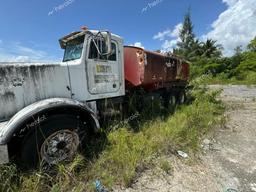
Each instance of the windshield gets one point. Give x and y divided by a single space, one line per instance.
74 49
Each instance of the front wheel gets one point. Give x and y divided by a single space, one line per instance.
56 140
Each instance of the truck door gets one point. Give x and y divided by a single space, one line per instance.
103 72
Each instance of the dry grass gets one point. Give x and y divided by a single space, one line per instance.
127 151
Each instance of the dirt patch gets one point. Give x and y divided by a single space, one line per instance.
228 160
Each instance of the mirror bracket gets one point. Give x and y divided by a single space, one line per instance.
107 40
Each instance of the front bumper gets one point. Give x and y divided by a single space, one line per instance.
4 156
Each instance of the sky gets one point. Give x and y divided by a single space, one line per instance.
30 30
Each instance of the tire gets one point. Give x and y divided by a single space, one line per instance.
170 101
181 97
56 140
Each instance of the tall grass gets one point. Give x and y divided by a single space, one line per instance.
129 152
246 78
8 178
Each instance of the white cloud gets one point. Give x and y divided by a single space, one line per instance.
29 52
170 37
230 2
16 52
168 45
138 44
161 35
168 33
176 30
21 59
235 26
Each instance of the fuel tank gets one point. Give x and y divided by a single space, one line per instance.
152 70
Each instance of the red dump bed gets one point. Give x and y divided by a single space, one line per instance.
153 70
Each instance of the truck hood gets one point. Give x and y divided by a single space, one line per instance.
24 83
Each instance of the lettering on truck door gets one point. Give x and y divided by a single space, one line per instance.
103 71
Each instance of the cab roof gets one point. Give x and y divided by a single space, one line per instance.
63 41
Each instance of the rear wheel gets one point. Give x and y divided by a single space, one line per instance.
56 140
172 101
181 97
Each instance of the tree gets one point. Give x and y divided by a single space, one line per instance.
211 49
207 49
197 47
252 45
184 46
238 50
196 50
248 63
236 59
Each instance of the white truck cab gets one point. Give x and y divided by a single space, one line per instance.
58 99
89 56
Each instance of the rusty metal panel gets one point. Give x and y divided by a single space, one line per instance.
171 64
153 70
134 63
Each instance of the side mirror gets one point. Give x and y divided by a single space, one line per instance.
102 42
108 44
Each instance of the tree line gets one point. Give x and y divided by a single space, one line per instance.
206 57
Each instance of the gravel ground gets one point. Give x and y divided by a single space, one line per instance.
229 159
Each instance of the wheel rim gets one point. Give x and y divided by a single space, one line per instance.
172 101
60 147
182 98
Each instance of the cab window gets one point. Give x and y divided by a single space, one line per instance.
93 53
74 49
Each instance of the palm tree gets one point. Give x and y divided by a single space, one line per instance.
211 49
196 49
